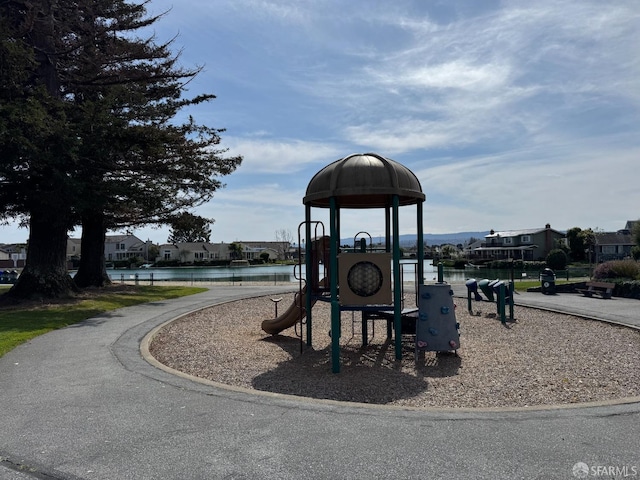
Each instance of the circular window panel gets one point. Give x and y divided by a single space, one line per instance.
365 279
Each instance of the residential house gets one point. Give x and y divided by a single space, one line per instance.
469 251
121 247
614 245
276 250
12 256
527 244
73 248
194 252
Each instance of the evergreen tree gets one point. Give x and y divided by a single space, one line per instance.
39 146
576 244
186 227
235 249
109 99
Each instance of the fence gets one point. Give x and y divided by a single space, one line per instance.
206 278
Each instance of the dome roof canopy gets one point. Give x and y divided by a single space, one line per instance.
365 180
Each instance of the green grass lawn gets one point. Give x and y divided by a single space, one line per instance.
22 323
522 285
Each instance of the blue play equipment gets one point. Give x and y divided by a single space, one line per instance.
472 288
436 328
494 290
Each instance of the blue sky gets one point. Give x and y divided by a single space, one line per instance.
512 114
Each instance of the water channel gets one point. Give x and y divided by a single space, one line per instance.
280 274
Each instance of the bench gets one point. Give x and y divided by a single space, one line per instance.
603 289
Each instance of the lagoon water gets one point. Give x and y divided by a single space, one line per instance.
279 274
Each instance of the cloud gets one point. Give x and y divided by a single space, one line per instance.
513 114
280 156
529 188
271 195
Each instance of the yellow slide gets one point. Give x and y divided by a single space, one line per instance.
294 313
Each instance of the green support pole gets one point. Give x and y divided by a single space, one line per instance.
420 247
440 272
335 306
501 303
308 266
397 288
512 289
387 229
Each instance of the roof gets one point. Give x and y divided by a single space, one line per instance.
474 245
193 246
517 233
120 238
614 238
365 180
502 247
12 247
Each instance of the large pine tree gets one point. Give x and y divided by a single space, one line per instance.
37 143
150 166
123 159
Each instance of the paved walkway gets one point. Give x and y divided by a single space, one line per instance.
624 311
81 403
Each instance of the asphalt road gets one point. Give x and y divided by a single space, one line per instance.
82 403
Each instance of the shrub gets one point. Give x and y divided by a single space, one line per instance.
629 269
167 263
627 289
557 259
459 264
517 265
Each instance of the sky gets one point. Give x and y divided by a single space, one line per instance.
512 114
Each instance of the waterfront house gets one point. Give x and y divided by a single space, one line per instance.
614 245
526 244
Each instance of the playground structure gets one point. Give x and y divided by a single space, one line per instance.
496 290
364 278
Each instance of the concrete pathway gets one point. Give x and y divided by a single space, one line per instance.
624 311
81 403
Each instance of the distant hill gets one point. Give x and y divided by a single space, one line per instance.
430 238
453 238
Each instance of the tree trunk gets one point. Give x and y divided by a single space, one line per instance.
45 272
92 271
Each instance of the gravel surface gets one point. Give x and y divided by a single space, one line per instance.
540 359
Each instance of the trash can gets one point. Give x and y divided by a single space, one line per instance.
548 281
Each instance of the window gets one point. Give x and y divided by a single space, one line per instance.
167 255
508 240
525 239
609 249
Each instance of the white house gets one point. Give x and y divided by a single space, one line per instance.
121 247
194 252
